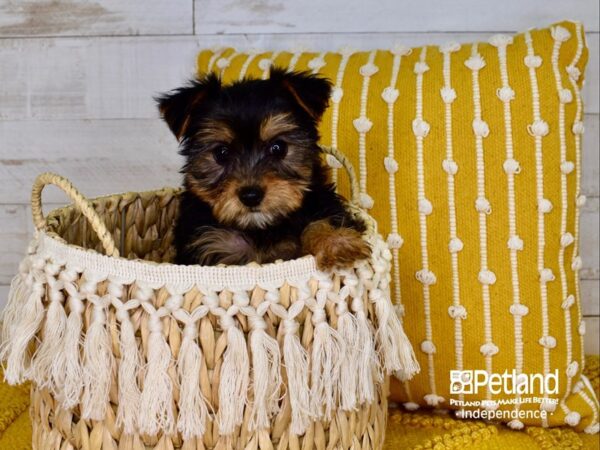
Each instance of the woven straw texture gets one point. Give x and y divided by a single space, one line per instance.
139 354
469 158
408 431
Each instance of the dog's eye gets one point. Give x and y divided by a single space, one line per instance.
278 149
221 154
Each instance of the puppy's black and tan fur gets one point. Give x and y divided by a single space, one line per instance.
256 188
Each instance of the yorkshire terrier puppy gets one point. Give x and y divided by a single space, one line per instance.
256 186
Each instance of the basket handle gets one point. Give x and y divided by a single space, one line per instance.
82 203
345 162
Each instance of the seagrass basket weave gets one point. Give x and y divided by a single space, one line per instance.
133 352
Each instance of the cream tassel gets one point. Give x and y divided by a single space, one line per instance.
233 391
43 370
130 364
398 354
327 352
193 409
348 331
266 374
59 367
18 357
20 290
17 297
129 392
69 356
98 362
408 361
156 404
369 369
295 358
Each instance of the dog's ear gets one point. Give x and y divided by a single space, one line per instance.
310 91
176 106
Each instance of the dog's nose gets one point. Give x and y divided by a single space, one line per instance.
251 195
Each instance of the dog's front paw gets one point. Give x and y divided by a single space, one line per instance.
334 247
214 246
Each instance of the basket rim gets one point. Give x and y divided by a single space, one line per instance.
178 276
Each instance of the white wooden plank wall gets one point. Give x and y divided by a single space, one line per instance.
77 80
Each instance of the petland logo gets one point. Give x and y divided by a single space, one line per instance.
510 383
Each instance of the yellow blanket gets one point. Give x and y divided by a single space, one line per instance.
405 430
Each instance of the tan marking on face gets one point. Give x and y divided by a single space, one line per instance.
296 160
215 130
282 196
276 124
204 162
226 205
201 191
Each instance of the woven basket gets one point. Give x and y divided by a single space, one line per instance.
133 352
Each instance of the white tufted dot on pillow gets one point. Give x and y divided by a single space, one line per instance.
519 309
428 347
533 61
420 127
487 277
515 243
390 95
489 349
448 94
425 206
336 94
506 94
390 164
362 124
475 62
394 240
538 128
545 205
455 245
450 167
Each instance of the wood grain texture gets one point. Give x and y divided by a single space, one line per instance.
15 232
356 16
91 78
590 242
103 156
100 156
101 78
3 294
590 291
100 17
591 92
592 344
590 184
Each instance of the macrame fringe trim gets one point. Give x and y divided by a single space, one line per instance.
193 409
129 367
98 362
342 369
156 402
235 379
266 375
295 358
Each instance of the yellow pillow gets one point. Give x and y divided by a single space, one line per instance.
470 158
